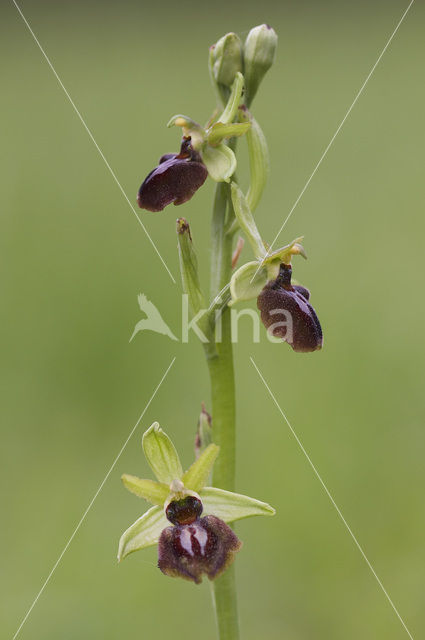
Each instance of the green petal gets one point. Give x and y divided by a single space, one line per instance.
231 506
220 162
197 475
247 222
161 454
247 282
232 105
154 492
143 533
220 131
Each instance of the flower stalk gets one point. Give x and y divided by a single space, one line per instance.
222 379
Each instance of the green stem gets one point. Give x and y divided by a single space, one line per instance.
220 364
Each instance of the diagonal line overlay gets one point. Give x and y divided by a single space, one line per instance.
111 171
55 566
319 477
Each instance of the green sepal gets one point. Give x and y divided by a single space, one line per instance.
220 162
220 131
246 221
258 159
143 533
234 100
196 477
231 506
247 282
161 454
153 492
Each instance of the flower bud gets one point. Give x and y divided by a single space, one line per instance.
259 55
175 179
225 61
207 545
287 314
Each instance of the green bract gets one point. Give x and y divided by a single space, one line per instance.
174 484
258 158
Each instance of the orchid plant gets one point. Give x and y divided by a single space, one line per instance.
189 519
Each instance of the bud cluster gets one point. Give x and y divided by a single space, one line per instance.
253 59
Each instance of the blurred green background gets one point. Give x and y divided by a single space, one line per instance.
74 259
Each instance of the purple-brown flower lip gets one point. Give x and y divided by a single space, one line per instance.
287 313
175 179
206 546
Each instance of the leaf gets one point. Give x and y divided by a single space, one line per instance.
220 131
247 282
154 492
233 102
220 162
143 533
197 475
247 222
231 506
161 454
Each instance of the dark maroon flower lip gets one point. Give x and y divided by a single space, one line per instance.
205 546
287 313
175 180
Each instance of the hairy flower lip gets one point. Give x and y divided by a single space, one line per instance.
279 298
175 180
206 546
